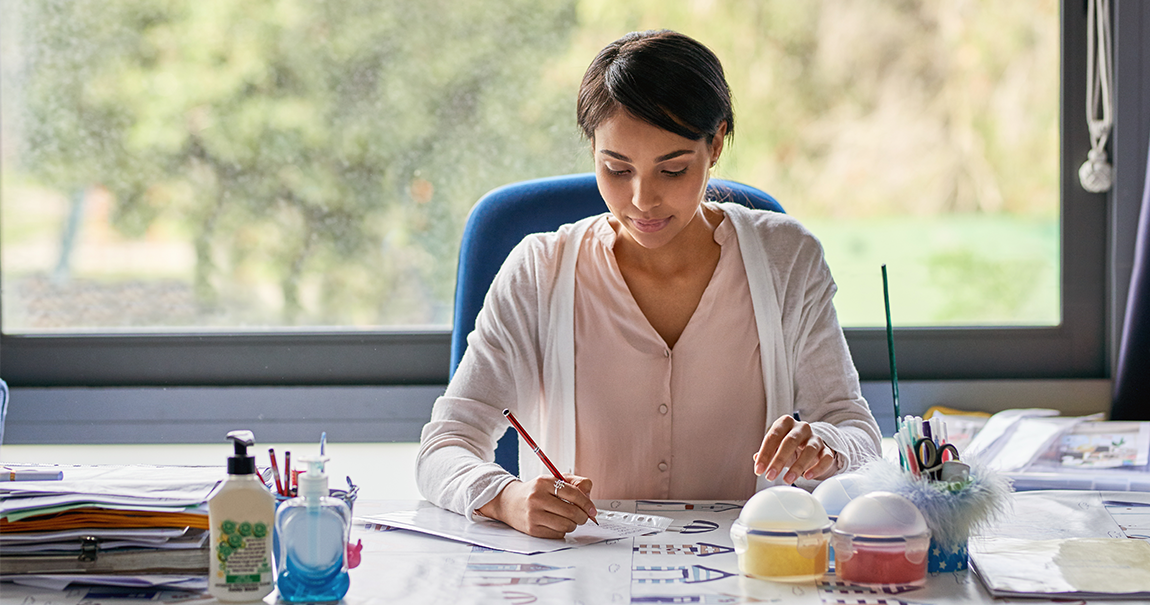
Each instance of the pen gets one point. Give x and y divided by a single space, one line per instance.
322 442
795 415
276 471
538 451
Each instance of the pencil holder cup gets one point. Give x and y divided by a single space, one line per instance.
782 535
944 559
953 510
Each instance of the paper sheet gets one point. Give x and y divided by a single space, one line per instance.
1076 567
997 431
430 519
190 542
143 535
1078 514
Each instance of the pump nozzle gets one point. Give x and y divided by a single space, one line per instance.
241 463
313 481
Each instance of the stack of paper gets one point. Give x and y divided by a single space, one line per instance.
125 525
1037 449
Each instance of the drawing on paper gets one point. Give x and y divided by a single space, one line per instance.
518 598
846 588
697 526
699 599
519 567
653 506
514 580
660 574
701 549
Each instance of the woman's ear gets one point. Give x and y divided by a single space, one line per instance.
717 142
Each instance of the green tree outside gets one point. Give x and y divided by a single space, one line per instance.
320 158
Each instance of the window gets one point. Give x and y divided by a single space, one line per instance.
272 192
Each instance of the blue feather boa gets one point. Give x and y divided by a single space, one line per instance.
953 511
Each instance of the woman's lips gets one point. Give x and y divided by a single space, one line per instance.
650 225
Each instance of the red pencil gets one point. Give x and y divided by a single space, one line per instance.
276 471
535 448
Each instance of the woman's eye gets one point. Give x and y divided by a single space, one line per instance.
675 172
619 172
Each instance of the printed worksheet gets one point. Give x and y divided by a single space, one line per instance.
430 519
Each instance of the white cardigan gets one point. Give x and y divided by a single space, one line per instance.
521 355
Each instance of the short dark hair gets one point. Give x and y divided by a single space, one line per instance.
661 77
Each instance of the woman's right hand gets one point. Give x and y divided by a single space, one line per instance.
538 509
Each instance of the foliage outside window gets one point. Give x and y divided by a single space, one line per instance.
274 164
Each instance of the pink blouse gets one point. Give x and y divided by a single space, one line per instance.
659 423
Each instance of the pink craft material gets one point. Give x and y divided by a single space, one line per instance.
880 565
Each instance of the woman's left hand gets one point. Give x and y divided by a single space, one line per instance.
792 445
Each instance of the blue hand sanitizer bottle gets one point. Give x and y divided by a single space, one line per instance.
313 531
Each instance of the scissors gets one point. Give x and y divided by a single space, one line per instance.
929 455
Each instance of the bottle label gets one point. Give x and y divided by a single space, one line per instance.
244 556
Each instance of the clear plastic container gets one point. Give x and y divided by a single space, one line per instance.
881 538
782 535
836 492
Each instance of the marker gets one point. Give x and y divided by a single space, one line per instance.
30 474
538 450
287 474
276 472
795 415
322 442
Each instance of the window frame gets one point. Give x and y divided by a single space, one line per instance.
1077 348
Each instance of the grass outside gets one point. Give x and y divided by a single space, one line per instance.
946 270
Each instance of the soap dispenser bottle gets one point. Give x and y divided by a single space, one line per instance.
241 513
312 530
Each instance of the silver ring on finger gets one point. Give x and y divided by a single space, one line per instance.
558 484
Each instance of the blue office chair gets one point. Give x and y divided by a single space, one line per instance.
503 217
3 407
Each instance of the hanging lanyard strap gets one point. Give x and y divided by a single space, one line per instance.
1096 174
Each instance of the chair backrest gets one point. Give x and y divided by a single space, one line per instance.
3 407
503 217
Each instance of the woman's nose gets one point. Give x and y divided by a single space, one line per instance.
644 196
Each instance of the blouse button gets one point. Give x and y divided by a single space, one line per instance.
663 408
666 352
663 466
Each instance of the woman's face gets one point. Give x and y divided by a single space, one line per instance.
652 180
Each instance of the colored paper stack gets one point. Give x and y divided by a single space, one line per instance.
113 525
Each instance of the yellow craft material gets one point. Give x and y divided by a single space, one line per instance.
782 559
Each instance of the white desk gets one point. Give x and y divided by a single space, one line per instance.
690 564
403 567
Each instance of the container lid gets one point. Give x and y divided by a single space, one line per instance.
784 508
881 516
836 492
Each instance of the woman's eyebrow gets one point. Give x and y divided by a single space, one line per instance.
662 158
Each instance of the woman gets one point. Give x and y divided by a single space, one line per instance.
662 349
